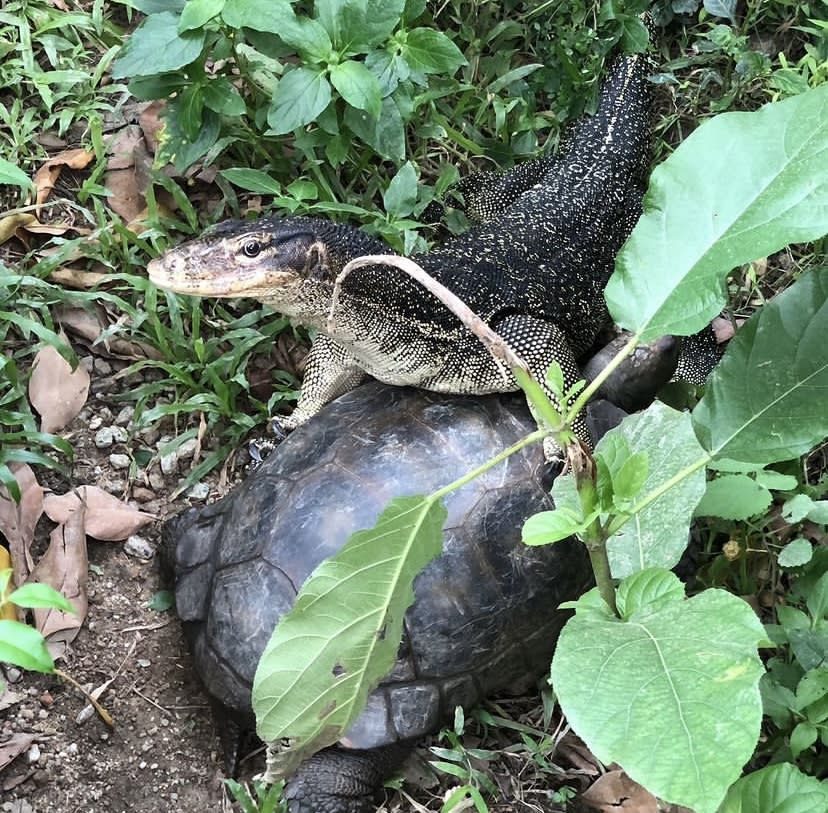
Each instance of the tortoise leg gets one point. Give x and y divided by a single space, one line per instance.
340 780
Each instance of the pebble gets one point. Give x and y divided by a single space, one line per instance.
119 461
169 463
140 494
95 423
33 754
156 480
187 449
103 367
13 674
125 416
200 491
107 435
138 547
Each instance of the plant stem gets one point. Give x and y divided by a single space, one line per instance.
601 568
102 712
533 437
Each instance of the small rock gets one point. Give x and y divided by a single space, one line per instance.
103 367
124 417
143 663
168 463
95 423
140 494
200 491
156 480
138 547
72 749
13 674
107 435
46 699
33 754
119 461
187 449
150 435
88 363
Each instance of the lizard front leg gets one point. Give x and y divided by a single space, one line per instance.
539 343
330 371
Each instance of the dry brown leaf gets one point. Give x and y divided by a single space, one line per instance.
615 792
11 223
13 747
49 171
128 172
18 520
9 698
75 278
107 518
57 391
90 325
64 566
151 123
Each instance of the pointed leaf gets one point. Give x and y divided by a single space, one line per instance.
670 275
156 47
781 788
654 692
24 646
341 637
358 86
733 496
766 399
301 95
657 535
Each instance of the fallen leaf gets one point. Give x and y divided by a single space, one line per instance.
128 172
57 391
13 747
75 278
18 520
9 698
11 223
48 173
615 792
106 518
64 566
150 122
90 325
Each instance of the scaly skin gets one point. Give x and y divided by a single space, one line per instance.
535 272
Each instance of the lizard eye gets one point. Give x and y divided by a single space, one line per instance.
252 248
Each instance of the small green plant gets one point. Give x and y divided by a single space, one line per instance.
21 644
261 799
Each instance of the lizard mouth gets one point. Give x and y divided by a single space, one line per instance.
173 274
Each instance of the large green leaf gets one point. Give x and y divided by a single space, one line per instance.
301 95
358 86
766 401
779 788
24 646
740 187
156 46
671 693
657 535
316 672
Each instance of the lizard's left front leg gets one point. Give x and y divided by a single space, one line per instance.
330 371
539 343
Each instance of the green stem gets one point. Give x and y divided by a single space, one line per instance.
601 569
534 437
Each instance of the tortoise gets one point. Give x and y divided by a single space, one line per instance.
485 614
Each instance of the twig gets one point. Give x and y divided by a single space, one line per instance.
502 353
152 702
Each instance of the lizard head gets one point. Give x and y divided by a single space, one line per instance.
271 260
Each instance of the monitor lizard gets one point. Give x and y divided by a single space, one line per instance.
534 270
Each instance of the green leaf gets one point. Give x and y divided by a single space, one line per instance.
795 553
220 95
803 737
648 591
812 687
400 198
546 527
652 693
342 636
301 95
431 51
796 508
670 274
156 47
41 595
358 26
253 180
10 174
658 534
386 135
780 788
635 38
817 598
776 481
721 8
24 647
513 75
198 13
162 601
733 496
358 86
764 401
